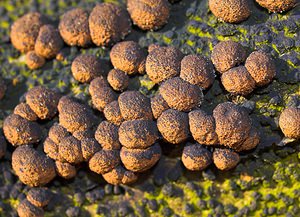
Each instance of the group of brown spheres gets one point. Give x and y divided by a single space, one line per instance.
125 144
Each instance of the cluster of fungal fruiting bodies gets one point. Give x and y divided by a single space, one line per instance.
33 204
258 70
105 25
236 11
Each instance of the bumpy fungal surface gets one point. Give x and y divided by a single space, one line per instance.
89 146
86 67
173 126
227 54
75 116
24 111
251 142
25 30
134 105
108 23
51 149
32 167
289 122
57 133
120 175
149 14
158 105
225 159
2 88
39 197
233 124
203 127
74 27
112 113
195 157
128 57
238 81
26 209
104 161
43 102
69 149
107 135
19 131
261 67
138 134
34 61
102 94
277 6
140 160
3 146
118 80
231 11
180 94
65 170
48 42
163 63
197 70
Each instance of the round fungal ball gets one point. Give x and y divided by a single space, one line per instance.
140 160
57 133
34 61
75 116
107 135
163 63
48 42
158 105
180 94
197 70
51 149
74 28
43 102
173 126
261 67
227 54
195 157
104 161
230 11
112 113
251 142
24 111
102 94
289 122
233 124
138 134
32 167
277 6
225 159
26 209
109 23
19 131
128 57
238 81
3 146
39 197
70 149
96 84
89 146
149 14
202 127
65 170
118 79
2 88
134 105
25 30
86 67
120 175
